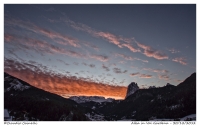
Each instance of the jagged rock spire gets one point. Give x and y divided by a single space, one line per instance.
132 88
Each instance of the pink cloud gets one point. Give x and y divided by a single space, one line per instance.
116 40
55 36
145 76
40 46
180 60
108 36
150 52
131 48
8 37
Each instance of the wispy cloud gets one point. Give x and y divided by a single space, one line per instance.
150 52
146 61
134 74
99 57
91 46
172 50
63 62
41 46
118 70
131 48
156 70
75 63
105 68
130 58
145 76
110 37
140 75
84 63
180 60
8 37
92 65
55 36
164 77
124 56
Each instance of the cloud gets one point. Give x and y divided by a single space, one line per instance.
156 70
180 60
63 62
40 46
75 63
146 61
134 74
55 36
141 75
118 70
37 75
130 58
92 65
84 64
8 37
173 50
124 56
150 52
178 80
105 68
117 40
110 37
99 57
92 46
145 76
164 77
131 48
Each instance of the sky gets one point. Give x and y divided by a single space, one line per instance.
98 50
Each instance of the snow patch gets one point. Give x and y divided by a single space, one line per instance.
83 99
95 117
16 85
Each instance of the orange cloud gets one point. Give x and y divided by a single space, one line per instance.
37 76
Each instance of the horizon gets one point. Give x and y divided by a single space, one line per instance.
93 50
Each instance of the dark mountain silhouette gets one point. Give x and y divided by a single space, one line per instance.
26 102
164 102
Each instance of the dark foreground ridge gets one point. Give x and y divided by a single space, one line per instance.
25 102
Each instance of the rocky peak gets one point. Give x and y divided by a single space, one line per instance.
168 84
132 88
152 87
